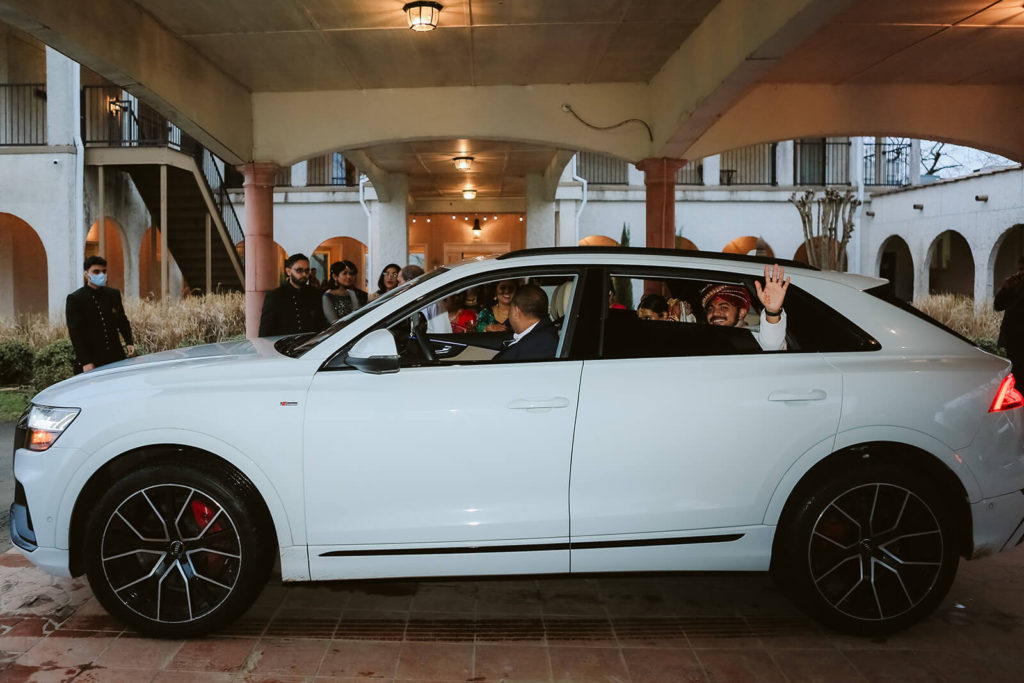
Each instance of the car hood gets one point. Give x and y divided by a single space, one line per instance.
202 358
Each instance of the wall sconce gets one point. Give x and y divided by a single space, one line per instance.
422 14
469 193
463 163
919 207
981 197
476 227
115 107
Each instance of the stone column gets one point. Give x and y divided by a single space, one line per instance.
389 228
660 179
260 264
915 162
62 104
784 163
922 272
540 214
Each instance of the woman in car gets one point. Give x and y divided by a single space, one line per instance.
494 318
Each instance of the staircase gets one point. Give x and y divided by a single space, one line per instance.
187 208
124 134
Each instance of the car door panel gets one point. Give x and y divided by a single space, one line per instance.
436 457
678 444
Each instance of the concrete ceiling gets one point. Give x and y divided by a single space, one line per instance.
282 80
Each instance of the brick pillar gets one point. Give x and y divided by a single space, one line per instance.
660 180
260 254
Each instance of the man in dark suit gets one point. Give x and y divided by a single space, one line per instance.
1010 298
95 317
294 307
536 337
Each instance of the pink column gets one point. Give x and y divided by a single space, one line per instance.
660 181
260 257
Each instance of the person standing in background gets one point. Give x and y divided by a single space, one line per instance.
95 317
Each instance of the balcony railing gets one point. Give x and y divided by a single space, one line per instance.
753 165
112 118
821 162
690 174
601 169
327 169
22 114
887 164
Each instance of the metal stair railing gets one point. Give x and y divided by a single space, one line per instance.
111 118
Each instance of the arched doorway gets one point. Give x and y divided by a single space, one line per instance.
113 250
598 241
24 286
685 244
951 265
279 257
896 265
801 254
439 238
340 249
748 244
1009 251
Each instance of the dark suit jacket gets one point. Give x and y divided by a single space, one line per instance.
1010 298
95 318
287 310
539 344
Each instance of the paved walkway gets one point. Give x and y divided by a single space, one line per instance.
662 628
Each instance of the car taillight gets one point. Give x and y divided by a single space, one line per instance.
1007 397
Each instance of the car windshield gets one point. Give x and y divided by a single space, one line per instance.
298 344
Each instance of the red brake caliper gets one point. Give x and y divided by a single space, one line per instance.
203 514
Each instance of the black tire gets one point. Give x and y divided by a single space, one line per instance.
176 551
868 551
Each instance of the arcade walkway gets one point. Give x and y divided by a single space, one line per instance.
662 629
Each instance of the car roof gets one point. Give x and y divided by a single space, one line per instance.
860 282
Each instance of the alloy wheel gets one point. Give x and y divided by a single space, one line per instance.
875 552
171 553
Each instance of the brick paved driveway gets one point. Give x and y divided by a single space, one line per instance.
662 628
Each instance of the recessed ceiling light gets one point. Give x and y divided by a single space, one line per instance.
469 193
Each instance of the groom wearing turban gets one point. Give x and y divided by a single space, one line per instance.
727 305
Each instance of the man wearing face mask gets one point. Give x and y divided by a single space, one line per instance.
294 307
95 317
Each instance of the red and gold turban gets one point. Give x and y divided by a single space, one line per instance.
736 295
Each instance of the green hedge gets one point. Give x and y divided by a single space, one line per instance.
17 361
53 364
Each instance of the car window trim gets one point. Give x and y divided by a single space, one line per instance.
578 271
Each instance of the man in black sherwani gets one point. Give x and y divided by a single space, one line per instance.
95 317
294 307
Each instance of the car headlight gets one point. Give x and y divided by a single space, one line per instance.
44 424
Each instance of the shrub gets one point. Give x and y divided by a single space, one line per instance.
958 312
53 364
16 361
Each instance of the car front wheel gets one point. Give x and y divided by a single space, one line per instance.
868 552
176 551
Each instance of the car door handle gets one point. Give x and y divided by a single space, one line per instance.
538 404
790 395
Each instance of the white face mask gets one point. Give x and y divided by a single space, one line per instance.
98 279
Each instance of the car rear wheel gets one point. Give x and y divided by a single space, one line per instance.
175 551
868 552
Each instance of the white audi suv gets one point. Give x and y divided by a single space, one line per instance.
857 463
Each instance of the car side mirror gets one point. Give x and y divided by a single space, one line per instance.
375 353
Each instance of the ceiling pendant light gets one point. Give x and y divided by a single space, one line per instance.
422 14
463 163
469 193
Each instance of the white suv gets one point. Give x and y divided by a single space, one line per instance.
857 464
